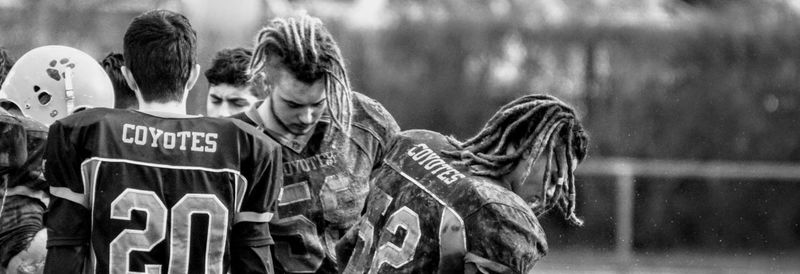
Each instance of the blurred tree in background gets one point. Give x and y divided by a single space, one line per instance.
664 79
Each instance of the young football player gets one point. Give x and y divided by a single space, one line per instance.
15 230
156 190
229 89
40 84
24 194
444 206
332 138
123 95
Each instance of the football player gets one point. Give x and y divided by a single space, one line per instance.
229 88
12 155
157 190
123 95
332 138
24 196
43 81
441 205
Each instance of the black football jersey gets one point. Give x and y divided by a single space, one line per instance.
425 216
25 178
325 185
156 194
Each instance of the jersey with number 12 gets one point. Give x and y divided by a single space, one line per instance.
425 216
159 195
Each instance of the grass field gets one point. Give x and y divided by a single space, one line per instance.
580 261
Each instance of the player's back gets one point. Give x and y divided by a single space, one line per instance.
163 192
426 215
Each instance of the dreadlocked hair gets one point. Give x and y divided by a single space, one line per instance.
531 124
305 48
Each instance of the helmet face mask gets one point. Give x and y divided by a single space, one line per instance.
48 83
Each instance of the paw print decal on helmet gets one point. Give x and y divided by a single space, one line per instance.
56 74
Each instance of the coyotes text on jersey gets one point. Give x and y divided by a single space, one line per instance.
326 182
425 215
159 194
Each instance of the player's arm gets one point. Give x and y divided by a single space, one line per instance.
68 217
250 258
513 243
65 259
345 245
251 240
384 130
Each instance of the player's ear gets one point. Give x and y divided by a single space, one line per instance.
193 76
126 73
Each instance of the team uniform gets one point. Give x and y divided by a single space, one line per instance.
425 215
160 194
24 196
326 182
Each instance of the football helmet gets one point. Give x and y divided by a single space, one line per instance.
50 82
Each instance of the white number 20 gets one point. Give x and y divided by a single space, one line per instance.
155 230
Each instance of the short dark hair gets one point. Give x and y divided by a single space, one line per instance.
160 51
229 66
6 62
124 97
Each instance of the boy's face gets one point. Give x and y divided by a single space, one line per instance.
297 105
225 100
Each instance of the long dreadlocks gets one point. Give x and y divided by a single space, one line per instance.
530 124
305 48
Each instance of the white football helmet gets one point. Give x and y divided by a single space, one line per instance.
50 82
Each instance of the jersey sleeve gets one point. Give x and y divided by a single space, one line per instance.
68 216
504 239
387 135
262 170
373 118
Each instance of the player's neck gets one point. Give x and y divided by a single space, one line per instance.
174 107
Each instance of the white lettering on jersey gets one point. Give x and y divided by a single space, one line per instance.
429 160
308 164
155 137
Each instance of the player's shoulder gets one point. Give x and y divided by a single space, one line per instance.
434 140
90 117
242 117
405 144
483 193
249 129
31 125
371 116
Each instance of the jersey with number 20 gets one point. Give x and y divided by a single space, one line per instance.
159 194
